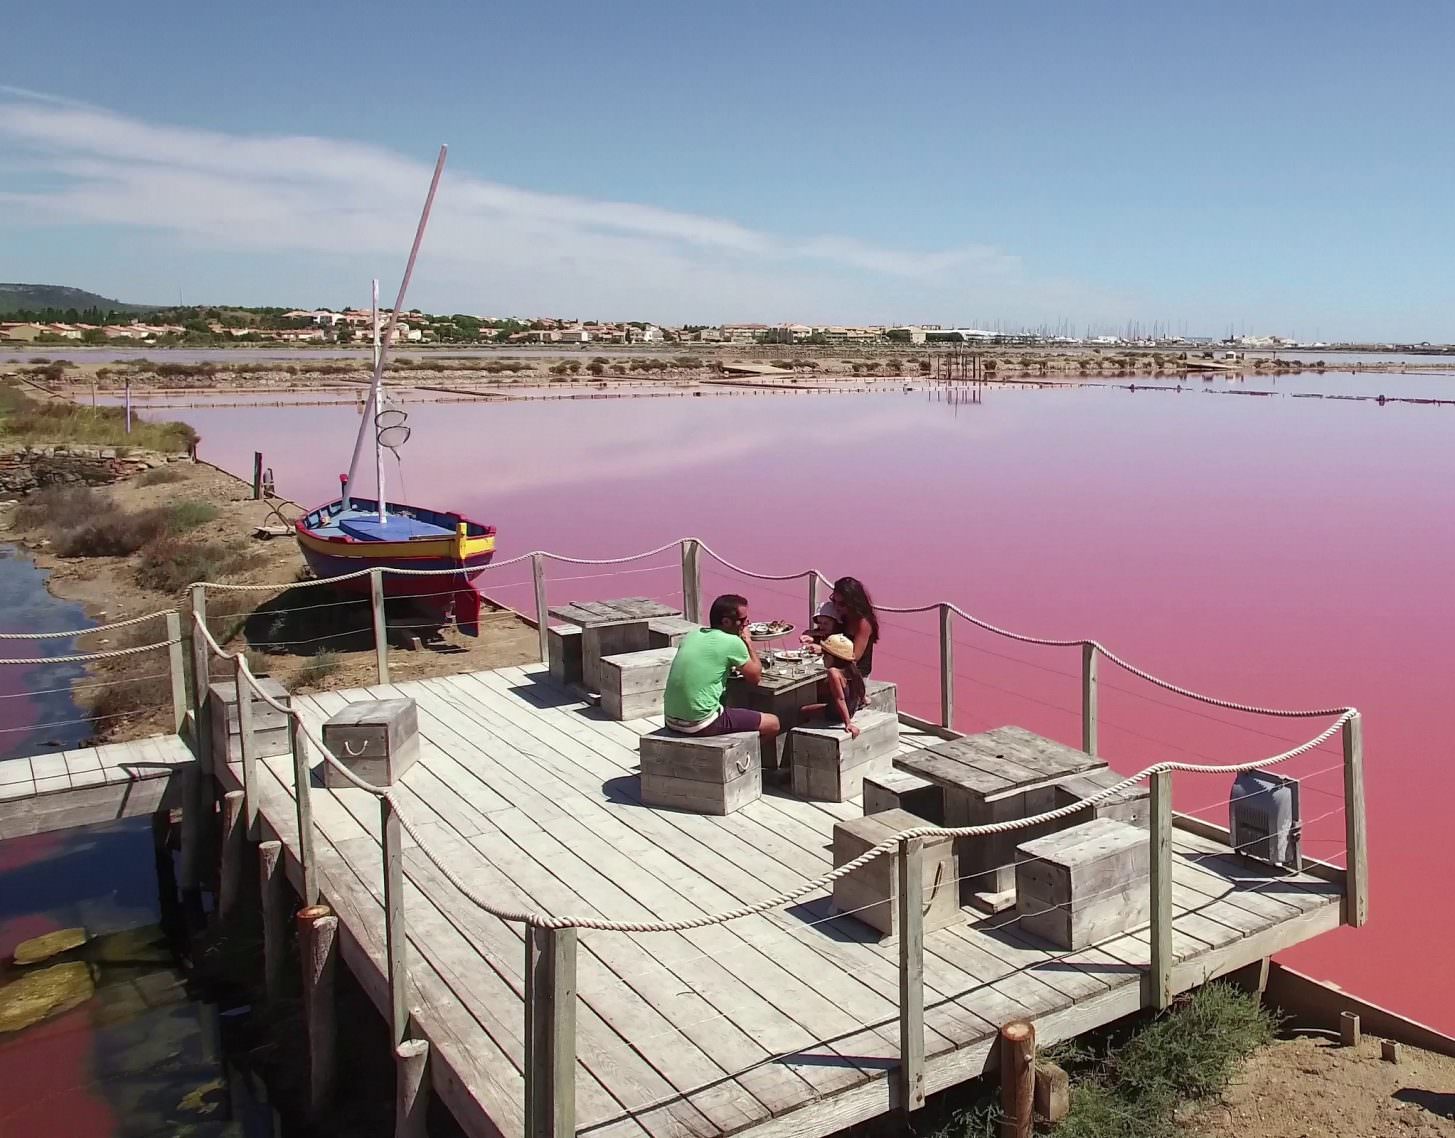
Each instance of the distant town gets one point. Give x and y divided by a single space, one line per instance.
211 326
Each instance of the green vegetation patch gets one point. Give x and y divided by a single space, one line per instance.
1130 1083
170 564
27 420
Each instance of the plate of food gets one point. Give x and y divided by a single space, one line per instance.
769 629
794 655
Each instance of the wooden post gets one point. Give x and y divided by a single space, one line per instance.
257 476
302 778
233 845
1348 1029
812 598
1017 1079
538 577
177 665
550 1033
692 579
201 674
395 934
190 853
273 887
1389 1050
1356 840
411 1088
381 626
1088 697
1053 1092
248 744
317 932
911 974
1160 973
947 665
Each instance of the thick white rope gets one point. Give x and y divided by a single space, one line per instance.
82 631
84 657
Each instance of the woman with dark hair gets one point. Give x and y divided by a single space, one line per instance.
860 621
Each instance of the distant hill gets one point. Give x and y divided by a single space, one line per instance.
33 297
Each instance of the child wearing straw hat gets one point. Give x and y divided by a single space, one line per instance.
846 684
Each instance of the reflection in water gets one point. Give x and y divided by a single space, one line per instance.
37 712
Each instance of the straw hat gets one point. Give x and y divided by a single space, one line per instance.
839 645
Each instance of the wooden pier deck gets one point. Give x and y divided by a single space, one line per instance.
88 785
779 1024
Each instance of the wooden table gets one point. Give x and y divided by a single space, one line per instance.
610 627
994 777
783 691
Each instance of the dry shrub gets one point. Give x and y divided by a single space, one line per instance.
161 476
170 564
58 505
115 534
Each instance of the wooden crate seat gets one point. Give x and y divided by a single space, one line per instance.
830 765
668 631
1079 886
871 892
1132 805
563 653
377 740
634 683
716 774
899 790
270 726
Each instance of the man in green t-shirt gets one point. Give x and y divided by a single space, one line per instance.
700 670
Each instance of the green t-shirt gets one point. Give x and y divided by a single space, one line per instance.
700 673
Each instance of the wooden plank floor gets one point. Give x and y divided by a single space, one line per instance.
780 1023
90 784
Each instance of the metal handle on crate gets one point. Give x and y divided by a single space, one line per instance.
743 765
353 754
935 888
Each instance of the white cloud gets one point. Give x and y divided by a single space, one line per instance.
491 246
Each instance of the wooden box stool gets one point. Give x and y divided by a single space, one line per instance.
1132 805
830 766
871 892
668 631
1082 885
270 726
713 775
563 653
633 684
899 790
378 740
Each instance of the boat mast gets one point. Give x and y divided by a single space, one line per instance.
378 394
372 409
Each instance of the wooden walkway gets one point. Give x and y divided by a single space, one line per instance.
782 1024
91 785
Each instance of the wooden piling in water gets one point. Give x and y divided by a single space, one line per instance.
1017 1078
234 843
317 934
411 1088
273 889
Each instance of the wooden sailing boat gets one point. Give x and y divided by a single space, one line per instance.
353 532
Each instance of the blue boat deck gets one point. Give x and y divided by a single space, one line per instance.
364 526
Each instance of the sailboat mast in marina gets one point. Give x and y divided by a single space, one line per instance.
353 533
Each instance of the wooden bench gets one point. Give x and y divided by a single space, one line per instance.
871 892
563 653
1079 886
633 683
713 775
668 631
900 790
830 765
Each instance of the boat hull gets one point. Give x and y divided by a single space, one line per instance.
336 542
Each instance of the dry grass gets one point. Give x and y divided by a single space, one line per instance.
169 564
23 419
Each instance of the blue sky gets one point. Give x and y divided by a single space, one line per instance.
1274 167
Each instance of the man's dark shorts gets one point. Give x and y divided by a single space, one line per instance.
733 719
